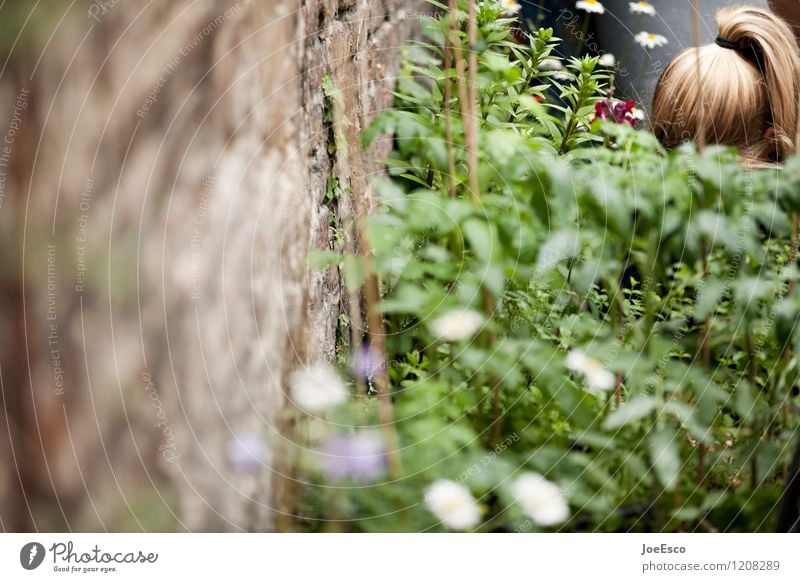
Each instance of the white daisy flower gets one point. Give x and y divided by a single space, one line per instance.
642 8
510 6
591 6
607 60
597 377
551 65
317 388
456 326
453 504
540 499
637 114
649 40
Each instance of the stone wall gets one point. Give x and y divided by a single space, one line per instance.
169 173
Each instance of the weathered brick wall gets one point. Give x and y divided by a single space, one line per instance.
355 44
167 181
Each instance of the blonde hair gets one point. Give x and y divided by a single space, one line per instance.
745 90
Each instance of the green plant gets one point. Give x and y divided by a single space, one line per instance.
617 318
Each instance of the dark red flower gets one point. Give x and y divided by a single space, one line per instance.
618 112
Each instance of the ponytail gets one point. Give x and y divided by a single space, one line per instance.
748 86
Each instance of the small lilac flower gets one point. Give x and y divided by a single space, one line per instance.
367 362
247 453
361 457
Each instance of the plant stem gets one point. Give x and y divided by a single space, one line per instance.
345 133
463 94
697 40
701 464
471 134
700 139
618 315
751 376
448 97
471 120
649 305
572 124
787 353
356 325
377 335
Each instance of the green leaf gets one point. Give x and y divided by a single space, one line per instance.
748 292
686 513
609 206
382 124
560 246
353 272
714 499
685 415
744 400
631 411
717 231
480 237
495 62
407 299
708 298
331 91
665 456
322 259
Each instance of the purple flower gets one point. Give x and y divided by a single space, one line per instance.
361 457
247 453
367 362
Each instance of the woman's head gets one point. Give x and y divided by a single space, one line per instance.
749 83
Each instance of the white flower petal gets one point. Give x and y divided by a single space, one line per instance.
550 64
540 499
453 504
576 361
607 60
597 378
642 8
457 326
317 388
511 6
591 6
649 40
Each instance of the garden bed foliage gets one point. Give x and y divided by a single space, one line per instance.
603 338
